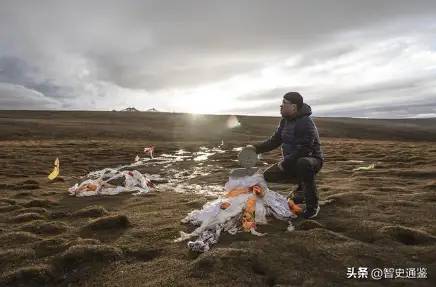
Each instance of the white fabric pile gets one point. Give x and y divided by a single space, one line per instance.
110 181
213 219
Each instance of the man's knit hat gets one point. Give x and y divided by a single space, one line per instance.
295 98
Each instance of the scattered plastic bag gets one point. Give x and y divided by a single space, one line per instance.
55 171
290 227
149 150
369 167
111 181
246 204
205 241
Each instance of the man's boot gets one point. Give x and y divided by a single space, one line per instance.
310 212
306 174
311 196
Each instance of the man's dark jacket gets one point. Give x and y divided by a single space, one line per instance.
298 137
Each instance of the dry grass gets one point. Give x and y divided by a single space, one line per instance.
383 217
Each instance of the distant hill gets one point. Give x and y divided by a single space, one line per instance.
130 109
133 109
152 110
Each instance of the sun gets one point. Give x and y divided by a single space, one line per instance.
198 108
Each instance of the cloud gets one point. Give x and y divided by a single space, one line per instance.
381 74
16 97
174 55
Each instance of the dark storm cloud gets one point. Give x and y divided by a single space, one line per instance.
22 98
17 72
105 54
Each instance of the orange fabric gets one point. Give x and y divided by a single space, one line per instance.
248 219
237 191
249 215
225 205
89 187
257 190
294 207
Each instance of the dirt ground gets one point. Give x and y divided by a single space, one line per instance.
380 218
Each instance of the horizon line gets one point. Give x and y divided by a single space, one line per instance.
212 114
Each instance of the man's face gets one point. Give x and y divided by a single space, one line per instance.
288 109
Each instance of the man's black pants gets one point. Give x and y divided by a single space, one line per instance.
303 173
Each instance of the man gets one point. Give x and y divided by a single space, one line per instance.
302 155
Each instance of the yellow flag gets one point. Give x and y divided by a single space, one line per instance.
55 171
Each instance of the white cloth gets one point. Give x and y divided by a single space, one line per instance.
100 183
212 219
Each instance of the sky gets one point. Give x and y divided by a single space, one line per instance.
374 59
